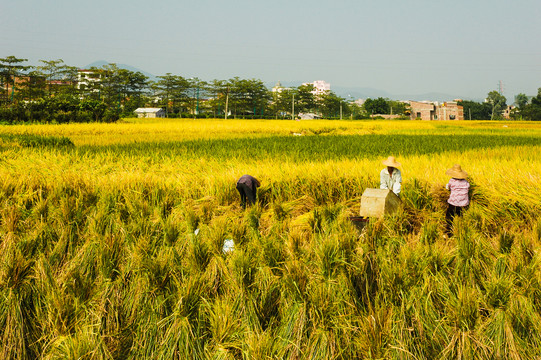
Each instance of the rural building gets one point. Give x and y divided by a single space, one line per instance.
308 116
425 110
385 116
25 81
449 111
320 87
20 82
150 112
507 111
87 78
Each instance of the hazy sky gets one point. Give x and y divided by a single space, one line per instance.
460 47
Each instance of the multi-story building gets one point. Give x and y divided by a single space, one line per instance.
427 110
506 113
321 87
278 88
87 79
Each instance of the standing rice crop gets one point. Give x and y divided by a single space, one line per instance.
113 247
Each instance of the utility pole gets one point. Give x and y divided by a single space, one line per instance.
340 110
293 108
226 102
194 109
197 107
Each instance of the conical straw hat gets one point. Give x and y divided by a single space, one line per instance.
457 172
391 161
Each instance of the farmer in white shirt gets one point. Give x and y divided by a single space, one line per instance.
390 177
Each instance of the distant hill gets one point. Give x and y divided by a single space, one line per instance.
101 63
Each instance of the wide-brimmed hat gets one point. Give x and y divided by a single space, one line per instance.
391 161
457 172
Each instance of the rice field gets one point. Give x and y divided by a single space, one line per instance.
111 241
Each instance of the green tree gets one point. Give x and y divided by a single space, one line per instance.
172 92
283 102
377 106
217 91
94 107
197 92
532 111
498 104
33 87
121 85
305 100
330 105
58 76
258 97
10 69
248 96
476 111
134 88
397 107
521 100
356 111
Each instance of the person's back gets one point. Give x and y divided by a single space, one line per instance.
247 186
459 192
249 181
458 198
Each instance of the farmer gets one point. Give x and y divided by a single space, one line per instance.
458 199
247 187
390 177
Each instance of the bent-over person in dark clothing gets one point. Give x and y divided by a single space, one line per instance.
247 187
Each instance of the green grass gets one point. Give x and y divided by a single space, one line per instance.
314 148
31 140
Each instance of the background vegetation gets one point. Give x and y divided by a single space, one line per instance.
111 241
54 92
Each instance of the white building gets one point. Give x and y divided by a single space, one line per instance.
320 87
278 88
86 79
150 112
308 116
359 102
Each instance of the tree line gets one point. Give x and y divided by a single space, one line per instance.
526 108
56 92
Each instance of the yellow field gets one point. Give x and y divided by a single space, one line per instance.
505 172
111 246
162 130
